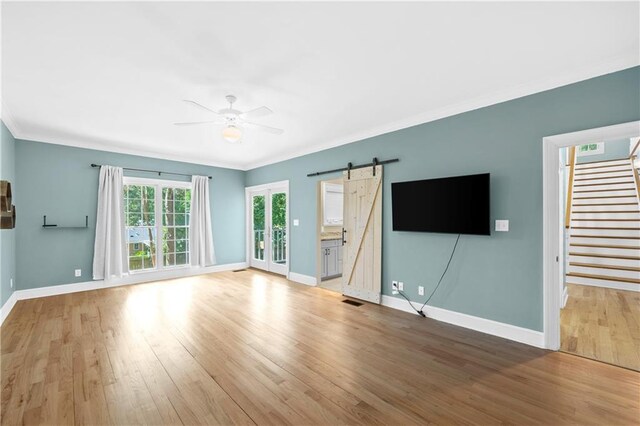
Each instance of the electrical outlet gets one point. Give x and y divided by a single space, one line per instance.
78 272
296 222
420 290
394 287
11 282
502 225
401 286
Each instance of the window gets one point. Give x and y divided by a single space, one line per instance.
156 209
590 149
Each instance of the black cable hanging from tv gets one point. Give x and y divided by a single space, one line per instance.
350 167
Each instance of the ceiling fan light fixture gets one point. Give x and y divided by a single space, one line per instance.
232 134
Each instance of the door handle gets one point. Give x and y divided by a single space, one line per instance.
344 231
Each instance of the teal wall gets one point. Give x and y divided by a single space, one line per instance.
498 277
7 236
58 181
613 150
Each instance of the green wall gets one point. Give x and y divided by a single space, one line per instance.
498 277
7 236
58 181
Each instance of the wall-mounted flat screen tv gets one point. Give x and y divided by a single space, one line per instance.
456 205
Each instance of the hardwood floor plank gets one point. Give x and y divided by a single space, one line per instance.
253 348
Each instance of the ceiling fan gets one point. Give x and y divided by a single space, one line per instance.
235 121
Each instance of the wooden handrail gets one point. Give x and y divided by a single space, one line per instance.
635 148
572 166
635 174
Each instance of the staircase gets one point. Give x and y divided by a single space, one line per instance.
604 241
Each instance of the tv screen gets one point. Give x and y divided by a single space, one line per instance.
456 205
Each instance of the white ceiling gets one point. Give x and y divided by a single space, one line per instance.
112 75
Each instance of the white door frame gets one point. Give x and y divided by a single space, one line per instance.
248 191
553 246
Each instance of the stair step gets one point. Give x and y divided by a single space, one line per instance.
608 256
603 172
603 204
630 182
625 175
604 220
622 228
606 211
623 166
590 163
604 277
595 265
602 197
613 237
608 246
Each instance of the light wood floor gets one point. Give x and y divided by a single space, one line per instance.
251 348
602 324
334 284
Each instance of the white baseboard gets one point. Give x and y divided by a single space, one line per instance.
7 307
302 279
55 290
565 296
506 331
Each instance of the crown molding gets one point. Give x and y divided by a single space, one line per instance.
98 146
614 64
8 120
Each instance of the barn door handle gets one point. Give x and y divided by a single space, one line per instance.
344 231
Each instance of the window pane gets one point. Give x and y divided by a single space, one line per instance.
169 259
181 259
168 220
169 233
134 219
181 246
135 263
180 233
180 219
179 194
148 192
134 191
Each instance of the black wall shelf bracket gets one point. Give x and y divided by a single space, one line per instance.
53 225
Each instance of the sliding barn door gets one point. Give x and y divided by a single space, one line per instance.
362 273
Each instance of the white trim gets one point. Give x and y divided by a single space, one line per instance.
279 186
8 306
614 64
552 246
127 280
8 120
565 296
134 180
495 328
302 279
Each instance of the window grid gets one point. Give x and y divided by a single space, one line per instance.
154 211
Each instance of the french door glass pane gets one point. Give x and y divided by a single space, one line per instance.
176 207
279 227
139 210
258 226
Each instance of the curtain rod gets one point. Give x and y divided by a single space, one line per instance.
350 166
150 171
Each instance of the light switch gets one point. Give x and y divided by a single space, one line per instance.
78 272
296 222
502 225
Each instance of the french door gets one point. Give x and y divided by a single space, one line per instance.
268 228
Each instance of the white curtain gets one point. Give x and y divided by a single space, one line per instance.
109 255
200 235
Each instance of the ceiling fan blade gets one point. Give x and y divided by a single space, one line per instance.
201 106
255 113
267 129
192 123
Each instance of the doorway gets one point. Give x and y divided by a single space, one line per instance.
591 244
330 247
268 227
